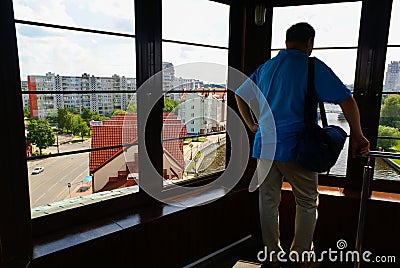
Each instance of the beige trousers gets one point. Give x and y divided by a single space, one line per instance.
304 186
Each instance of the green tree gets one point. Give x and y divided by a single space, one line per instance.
385 131
170 104
79 126
390 112
69 122
118 111
62 117
27 112
87 115
97 117
40 133
52 117
131 108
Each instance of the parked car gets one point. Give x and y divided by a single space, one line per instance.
37 170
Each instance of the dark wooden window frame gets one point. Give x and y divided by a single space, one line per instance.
15 239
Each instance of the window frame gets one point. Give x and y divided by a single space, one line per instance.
147 33
148 62
365 86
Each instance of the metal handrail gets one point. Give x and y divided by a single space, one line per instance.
380 154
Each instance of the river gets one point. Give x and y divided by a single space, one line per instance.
382 170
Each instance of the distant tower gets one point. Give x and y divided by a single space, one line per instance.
168 74
392 82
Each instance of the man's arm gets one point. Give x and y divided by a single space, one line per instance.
360 145
244 110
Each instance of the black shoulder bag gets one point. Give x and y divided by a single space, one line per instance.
319 147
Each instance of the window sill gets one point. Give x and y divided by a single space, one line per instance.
79 201
76 235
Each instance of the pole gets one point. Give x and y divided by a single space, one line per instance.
58 148
69 189
363 207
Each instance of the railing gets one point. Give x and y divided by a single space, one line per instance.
367 177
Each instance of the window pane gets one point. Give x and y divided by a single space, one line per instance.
198 108
101 69
197 21
182 54
113 15
193 134
389 122
394 31
86 122
43 50
341 31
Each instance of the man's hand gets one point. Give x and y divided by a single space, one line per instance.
359 146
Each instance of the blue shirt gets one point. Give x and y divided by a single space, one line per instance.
279 86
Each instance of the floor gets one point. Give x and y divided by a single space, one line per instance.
244 255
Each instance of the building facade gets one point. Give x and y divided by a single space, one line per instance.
392 81
203 112
102 103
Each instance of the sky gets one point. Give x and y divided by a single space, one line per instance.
43 50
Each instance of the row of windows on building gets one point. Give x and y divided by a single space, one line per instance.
208 107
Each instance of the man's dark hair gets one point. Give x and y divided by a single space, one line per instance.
300 32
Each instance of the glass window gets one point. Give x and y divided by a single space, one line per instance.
389 122
394 36
113 15
178 54
197 21
199 149
71 53
194 82
342 31
78 91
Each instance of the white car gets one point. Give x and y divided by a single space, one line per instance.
37 170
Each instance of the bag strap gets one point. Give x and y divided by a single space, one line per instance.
310 112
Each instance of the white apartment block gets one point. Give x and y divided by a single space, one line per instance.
203 112
103 103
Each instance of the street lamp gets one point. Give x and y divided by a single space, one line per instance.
195 165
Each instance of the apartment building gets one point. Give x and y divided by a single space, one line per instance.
203 112
103 103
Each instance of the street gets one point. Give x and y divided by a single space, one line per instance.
51 184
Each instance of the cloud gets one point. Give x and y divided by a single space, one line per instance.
49 11
73 53
201 21
66 52
334 24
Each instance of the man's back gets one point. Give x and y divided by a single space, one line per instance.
282 80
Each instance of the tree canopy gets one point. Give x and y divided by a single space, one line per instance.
390 112
170 104
40 133
385 131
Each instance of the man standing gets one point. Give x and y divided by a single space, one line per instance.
282 83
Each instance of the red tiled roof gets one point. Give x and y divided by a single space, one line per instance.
122 129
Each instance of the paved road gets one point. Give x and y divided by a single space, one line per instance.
51 185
